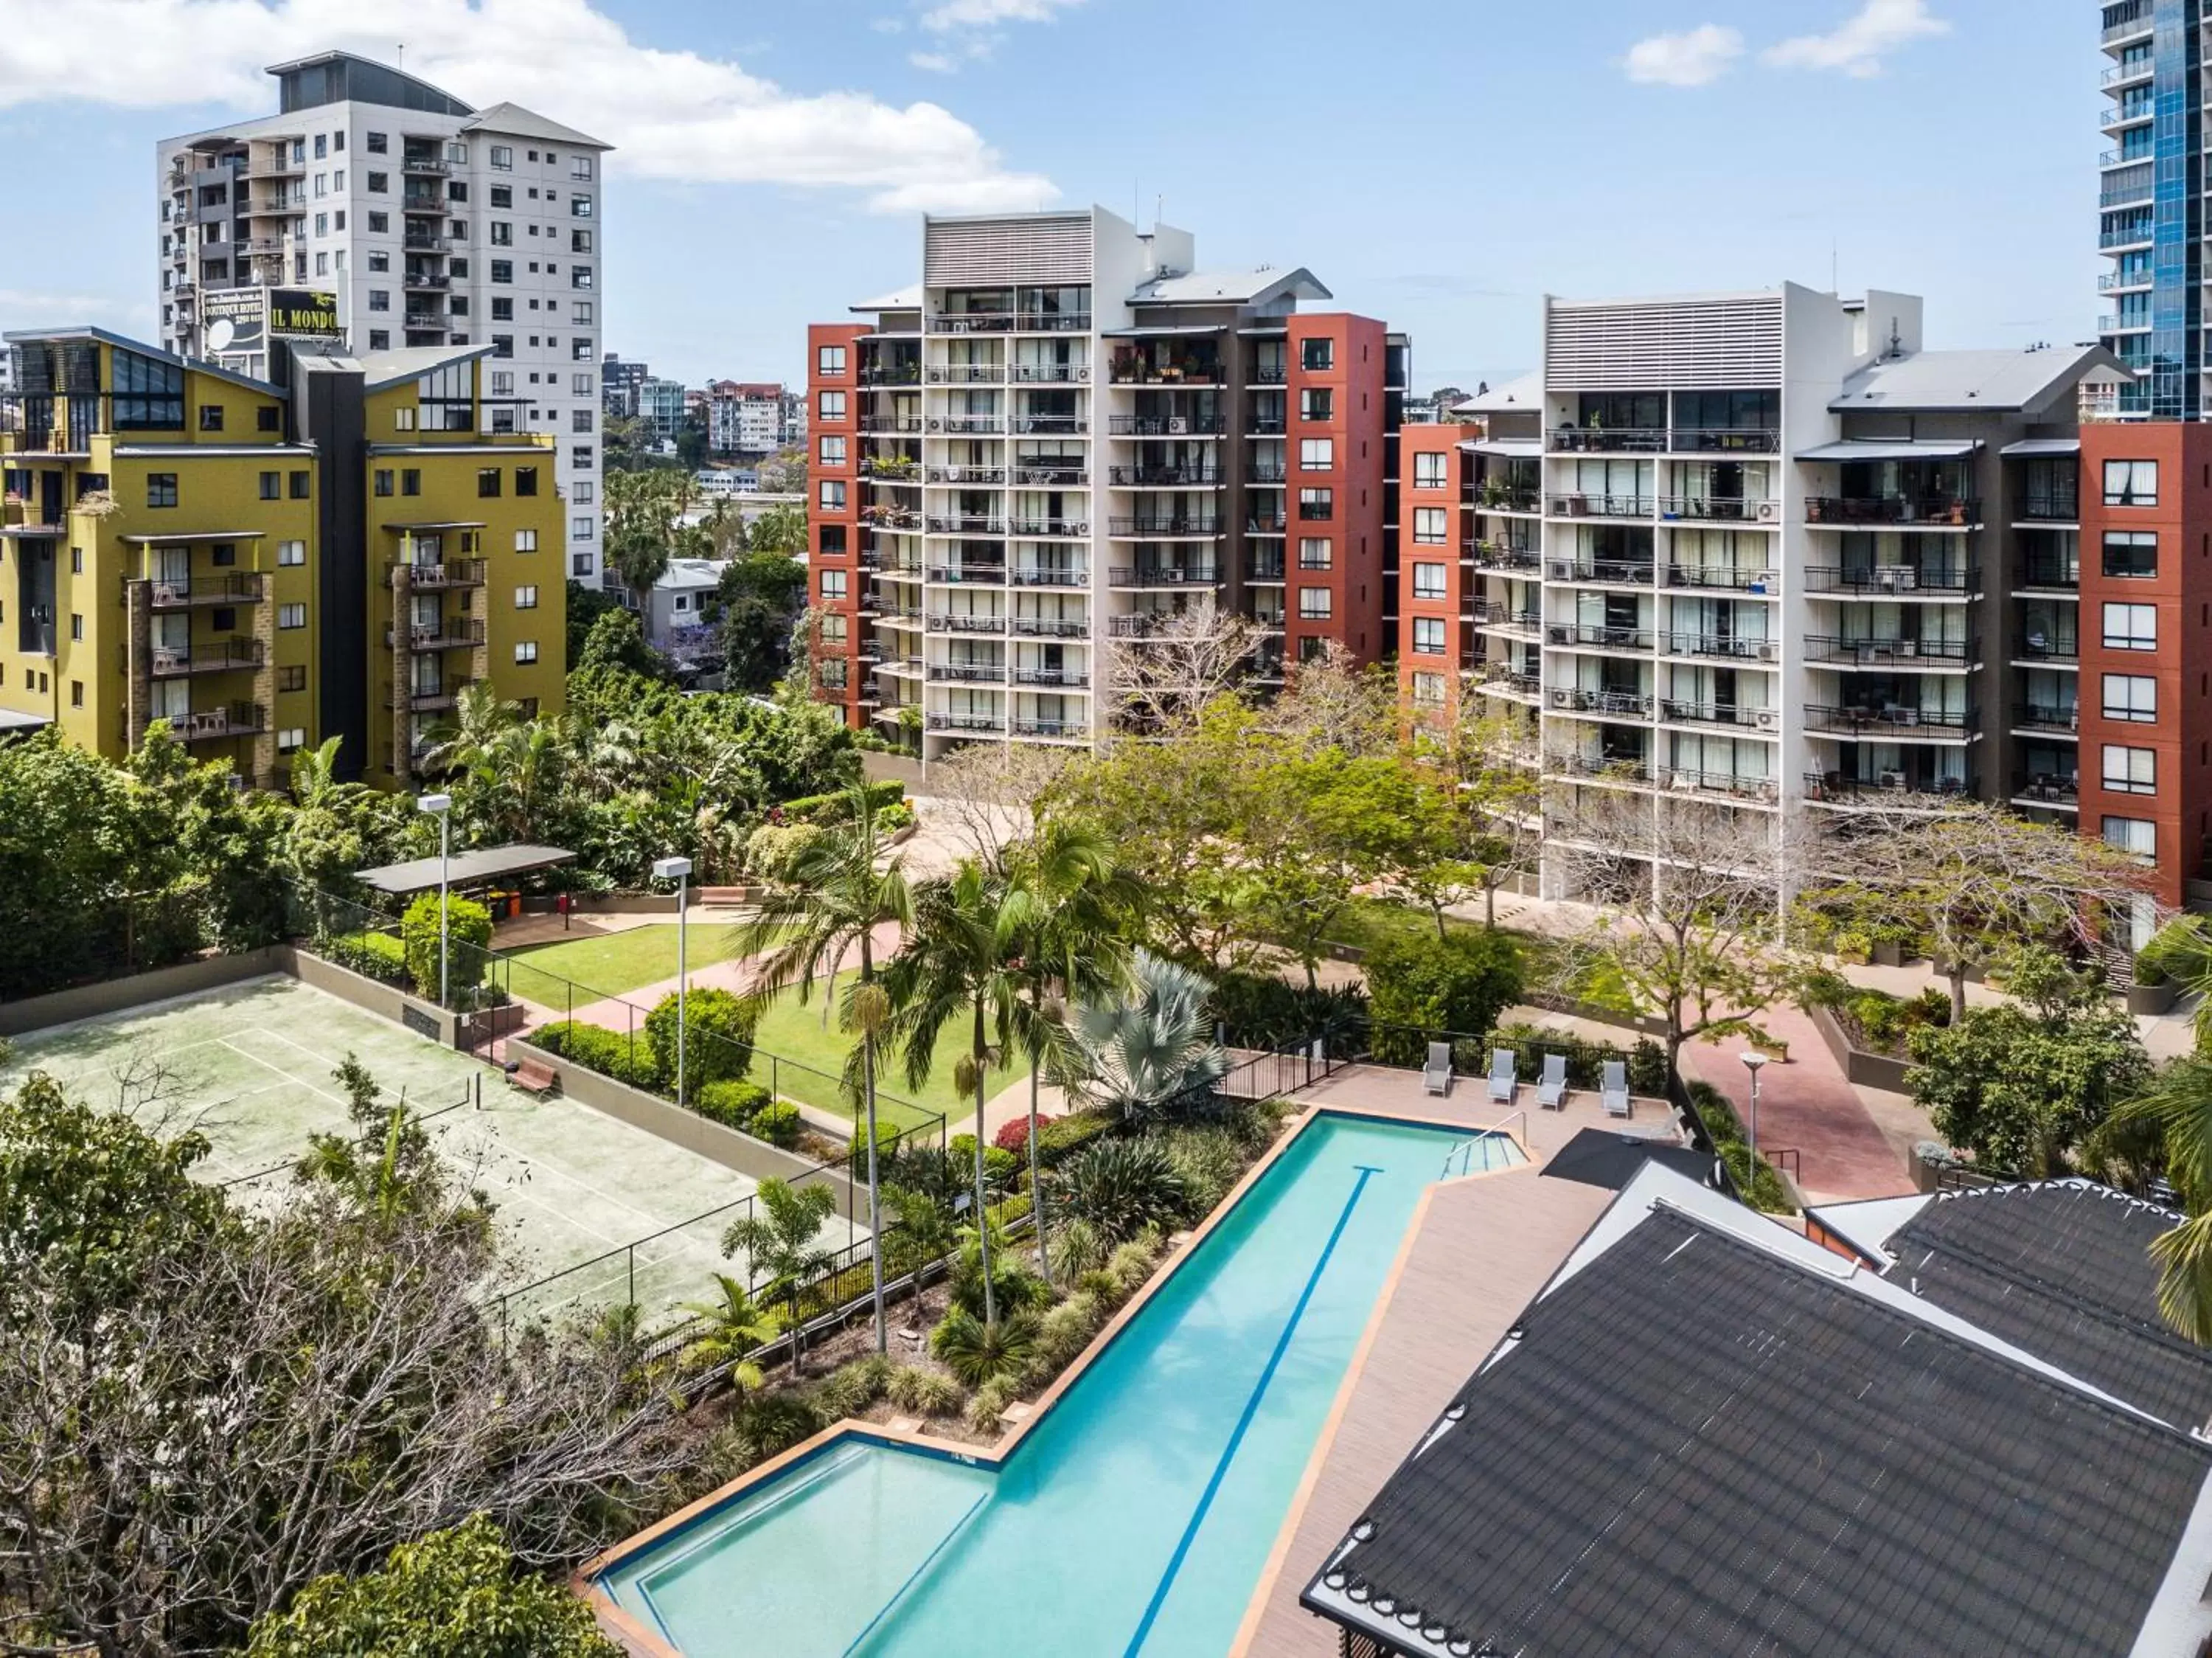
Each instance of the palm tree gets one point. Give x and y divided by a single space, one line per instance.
961 961
1075 906
840 888
470 745
1143 1055
2178 1108
781 1232
730 1328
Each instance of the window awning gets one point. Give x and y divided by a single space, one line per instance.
1897 448
442 524
12 722
463 869
175 536
2029 447
1512 448
1160 329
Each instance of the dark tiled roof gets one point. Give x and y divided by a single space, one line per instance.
1608 1158
1700 1448
2061 1269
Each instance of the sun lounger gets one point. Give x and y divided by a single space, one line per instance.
1501 1076
1436 1075
1614 1090
1552 1093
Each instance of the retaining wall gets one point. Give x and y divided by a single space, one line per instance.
36 1013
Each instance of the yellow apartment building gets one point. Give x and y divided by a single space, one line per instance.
265 565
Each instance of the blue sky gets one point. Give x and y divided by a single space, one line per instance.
1440 163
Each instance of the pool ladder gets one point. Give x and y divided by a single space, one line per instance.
1460 1160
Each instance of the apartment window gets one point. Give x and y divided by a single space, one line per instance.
1428 580
580 385
2131 627
503 158
210 417
2131 553
290 738
76 694
580 207
1316 454
2131 483
272 486
487 482
1429 634
579 275
383 480
580 349
2135 835
525 480
1314 604
1316 402
1316 503
580 241
292 677
378 144
525 540
291 616
581 420
266 417
1429 525
502 195
502 234
580 313
832 495
291 553
2131 696
829 360
1430 471
1315 552
503 346
76 561
525 597
411 480
379 183
223 553
402 418
581 493
579 563
379 224
160 489
379 339
1317 354
2130 770
834 584
77 628
338 188
526 650
298 485
1428 690
380 299
322 224
580 167
502 269
832 451
832 406
581 458
502 310
456 191
579 530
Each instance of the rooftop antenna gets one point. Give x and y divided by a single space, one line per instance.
1157 203
1835 279
399 54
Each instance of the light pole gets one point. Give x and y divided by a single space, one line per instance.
676 870
442 805
1753 1060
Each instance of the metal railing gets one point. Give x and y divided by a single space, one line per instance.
1722 646
1732 715
1600 506
1029 727
1619 572
1508 500
1166 477
1734 785
1165 425
233 719
1845 786
2047 716
982 475
1148 575
1598 634
1889 721
1047 576
1878 652
1602 440
966 721
1724 578
1860 511
1892 578
234 587
223 657
1170 524
1049 627
1721 509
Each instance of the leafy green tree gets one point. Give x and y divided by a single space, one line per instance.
618 641
781 1234
839 889
728 1328
691 443
1458 983
586 606
718 1036
466 944
454 1594
757 601
2022 1085
781 528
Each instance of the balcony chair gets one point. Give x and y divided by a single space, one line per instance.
1502 1080
1613 1089
1436 1074
1552 1091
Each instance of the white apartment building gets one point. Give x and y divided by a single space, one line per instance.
1758 551
434 223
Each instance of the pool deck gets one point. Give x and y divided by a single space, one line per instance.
1477 1252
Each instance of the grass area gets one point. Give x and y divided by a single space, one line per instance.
792 1032
614 964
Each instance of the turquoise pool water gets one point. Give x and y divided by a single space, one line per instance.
1138 1515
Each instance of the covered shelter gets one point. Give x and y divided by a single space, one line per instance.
483 866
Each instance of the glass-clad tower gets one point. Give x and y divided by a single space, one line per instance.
2151 220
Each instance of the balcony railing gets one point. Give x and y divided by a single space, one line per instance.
1510 682
1728 578
1146 374
1600 506
2041 509
1724 440
1494 556
209 724
1880 579
2046 788
1618 572
969 672
1732 715
1602 440
1051 576
1620 768
1733 785
1266 426
422 241
966 524
967 721
1052 374
446 573
1721 509
429 165
884 516
1886 787
235 588
1165 425
1048 527
1493 617
1165 477
1492 497
889 424
1599 635
1262 569
1024 726
2064 574
453 633
2047 716
940 622
1889 721
984 475
984 425
1875 511
1164 575
1265 523
1268 373
889 469
1049 627
429 699
1721 645
223 657
892 374
1050 425
1003 322
1165 524
1265 475
1073 678
1888 653
964 374
987 574
2046 648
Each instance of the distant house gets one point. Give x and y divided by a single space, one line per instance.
675 619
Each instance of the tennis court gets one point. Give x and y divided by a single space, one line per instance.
250 1067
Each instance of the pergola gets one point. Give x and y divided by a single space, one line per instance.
479 867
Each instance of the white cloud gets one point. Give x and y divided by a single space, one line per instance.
985 13
1857 46
671 114
1688 59
937 63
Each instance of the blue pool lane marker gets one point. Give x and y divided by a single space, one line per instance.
1367 1172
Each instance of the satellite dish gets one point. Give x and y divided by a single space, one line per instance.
220 335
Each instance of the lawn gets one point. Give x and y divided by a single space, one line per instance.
614 964
796 1033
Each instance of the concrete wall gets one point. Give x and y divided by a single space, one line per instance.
886 768
1869 1070
428 1020
36 1013
662 1119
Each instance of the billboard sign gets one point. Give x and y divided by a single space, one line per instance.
304 313
242 321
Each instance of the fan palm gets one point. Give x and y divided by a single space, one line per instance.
840 889
1143 1055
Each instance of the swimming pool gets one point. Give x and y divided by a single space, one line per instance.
1138 1514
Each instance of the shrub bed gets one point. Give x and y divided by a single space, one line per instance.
1756 1180
373 956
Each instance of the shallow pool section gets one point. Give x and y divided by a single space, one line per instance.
1135 1517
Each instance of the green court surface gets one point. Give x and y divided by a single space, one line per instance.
250 1067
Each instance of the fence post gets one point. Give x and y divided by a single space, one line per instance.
632 1253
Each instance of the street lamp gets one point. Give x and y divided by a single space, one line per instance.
1753 1060
443 805
676 870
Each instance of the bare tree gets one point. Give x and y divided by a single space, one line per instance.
1330 702
1180 662
1687 928
987 793
1969 885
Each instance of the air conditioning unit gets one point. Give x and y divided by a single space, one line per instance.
1560 697
1177 425
1767 719
1770 652
1766 512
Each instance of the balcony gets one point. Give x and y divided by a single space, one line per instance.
446 573
1123 373
1722 578
2050 650
902 521
994 722
1726 785
1265 523
1888 789
1725 715
1598 439
966 524
2133 322
1066 729
1493 555
1041 472
1501 681
1268 374
1615 572
1262 567
2051 791
2059 719
969 424
2041 509
422 241
1051 425
1606 768
1884 654
1889 723
1266 473
1884 511
969 673
450 633
426 280
1049 627
1493 497
959 374
1600 506
2132 235
895 373
887 425
1052 374
889 469
1048 527
1265 426
1720 646
1164 575
972 574
1166 425
970 475
223 657
1006 322
2058 575
421 203
1597 636
1721 509
1158 525
236 587
1205 472
429 699
212 724
1891 581
423 166
2115 282
1052 575
1724 440
1070 678
1489 616
942 623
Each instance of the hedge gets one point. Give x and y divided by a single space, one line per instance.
1420 983
777 1124
1257 1011
732 1104
611 1053
468 940
718 1036
373 956
830 807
